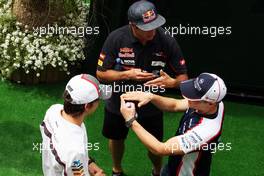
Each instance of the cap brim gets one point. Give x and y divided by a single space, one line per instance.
188 90
105 91
159 21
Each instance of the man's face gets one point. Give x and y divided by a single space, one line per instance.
143 35
201 106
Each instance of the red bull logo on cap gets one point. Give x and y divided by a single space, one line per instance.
149 16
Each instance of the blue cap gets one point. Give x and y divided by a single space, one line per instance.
207 87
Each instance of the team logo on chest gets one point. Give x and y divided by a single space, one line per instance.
126 52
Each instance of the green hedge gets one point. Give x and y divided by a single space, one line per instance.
86 1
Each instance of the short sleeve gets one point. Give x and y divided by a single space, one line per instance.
108 54
196 138
77 164
176 61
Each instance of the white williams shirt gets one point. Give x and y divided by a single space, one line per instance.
64 145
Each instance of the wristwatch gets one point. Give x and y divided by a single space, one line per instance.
130 121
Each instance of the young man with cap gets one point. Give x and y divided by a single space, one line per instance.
190 151
63 131
138 55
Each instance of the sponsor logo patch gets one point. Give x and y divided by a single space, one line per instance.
101 59
100 62
184 143
102 56
126 52
182 62
198 137
129 62
158 63
149 16
197 85
126 55
77 168
192 139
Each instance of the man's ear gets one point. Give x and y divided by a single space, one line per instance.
133 25
88 105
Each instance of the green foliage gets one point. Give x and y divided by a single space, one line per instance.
70 7
29 50
87 1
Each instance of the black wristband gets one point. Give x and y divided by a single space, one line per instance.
130 121
91 160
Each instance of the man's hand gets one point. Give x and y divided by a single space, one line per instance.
94 170
143 98
128 112
163 81
138 74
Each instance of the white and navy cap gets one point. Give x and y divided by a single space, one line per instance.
144 15
207 87
85 88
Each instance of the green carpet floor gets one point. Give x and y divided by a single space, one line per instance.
22 108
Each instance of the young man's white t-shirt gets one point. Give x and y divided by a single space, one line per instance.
64 145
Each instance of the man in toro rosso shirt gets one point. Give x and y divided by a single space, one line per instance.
131 59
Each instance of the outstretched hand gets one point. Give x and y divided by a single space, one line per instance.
163 81
138 74
143 98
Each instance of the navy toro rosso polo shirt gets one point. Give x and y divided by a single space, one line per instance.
122 51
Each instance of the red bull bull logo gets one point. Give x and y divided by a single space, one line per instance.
149 16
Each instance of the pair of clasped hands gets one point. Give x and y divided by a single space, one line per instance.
163 80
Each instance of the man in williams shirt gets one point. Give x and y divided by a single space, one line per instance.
200 126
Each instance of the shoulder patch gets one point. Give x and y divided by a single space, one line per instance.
182 62
101 59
